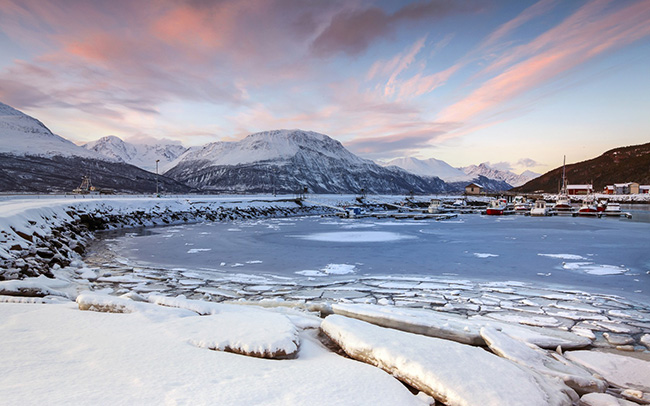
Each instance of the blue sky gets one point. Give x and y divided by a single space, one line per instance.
515 83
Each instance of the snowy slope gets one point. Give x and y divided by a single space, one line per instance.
287 161
23 135
278 145
511 178
143 156
430 167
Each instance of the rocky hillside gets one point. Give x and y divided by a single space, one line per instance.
620 165
61 174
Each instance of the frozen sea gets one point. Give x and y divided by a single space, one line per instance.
607 255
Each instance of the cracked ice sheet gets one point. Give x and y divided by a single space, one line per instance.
453 373
455 327
620 371
134 356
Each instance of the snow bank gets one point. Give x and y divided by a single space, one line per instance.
239 329
453 373
59 355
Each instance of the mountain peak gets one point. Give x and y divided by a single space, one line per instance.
429 167
22 135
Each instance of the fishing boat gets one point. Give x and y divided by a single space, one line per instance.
435 206
613 209
563 202
588 208
522 206
540 208
496 207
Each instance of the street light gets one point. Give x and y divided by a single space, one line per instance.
157 160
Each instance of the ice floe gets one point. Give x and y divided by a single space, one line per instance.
544 362
356 236
594 269
623 372
604 399
484 255
453 373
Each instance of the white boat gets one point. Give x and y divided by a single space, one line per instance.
612 209
435 206
522 206
540 208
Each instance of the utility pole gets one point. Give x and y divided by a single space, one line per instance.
157 160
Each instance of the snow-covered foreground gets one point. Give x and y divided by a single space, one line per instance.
118 334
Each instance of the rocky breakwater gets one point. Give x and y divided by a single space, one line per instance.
39 235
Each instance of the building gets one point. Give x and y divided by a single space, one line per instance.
629 188
580 189
474 189
609 190
643 189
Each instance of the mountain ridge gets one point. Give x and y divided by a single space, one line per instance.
618 165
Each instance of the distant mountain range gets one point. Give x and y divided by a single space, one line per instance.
32 158
509 177
619 165
476 173
141 155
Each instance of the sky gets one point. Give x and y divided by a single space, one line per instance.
516 83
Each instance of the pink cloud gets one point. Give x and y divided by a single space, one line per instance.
581 37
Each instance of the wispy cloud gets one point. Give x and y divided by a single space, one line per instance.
353 30
581 37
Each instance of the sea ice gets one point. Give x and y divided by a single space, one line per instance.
453 373
563 256
604 399
356 236
339 269
594 269
196 250
484 255
544 362
621 371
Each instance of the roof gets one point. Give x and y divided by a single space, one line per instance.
475 184
624 184
580 186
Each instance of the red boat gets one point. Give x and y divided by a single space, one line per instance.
588 208
496 207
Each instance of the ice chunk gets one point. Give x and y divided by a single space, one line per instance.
603 399
645 340
572 257
242 330
453 373
454 327
547 363
34 287
484 255
619 370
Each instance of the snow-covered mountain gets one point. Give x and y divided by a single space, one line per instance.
507 176
429 167
141 155
33 159
288 160
22 135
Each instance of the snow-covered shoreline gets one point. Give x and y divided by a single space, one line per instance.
98 336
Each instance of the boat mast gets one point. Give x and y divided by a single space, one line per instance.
563 191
